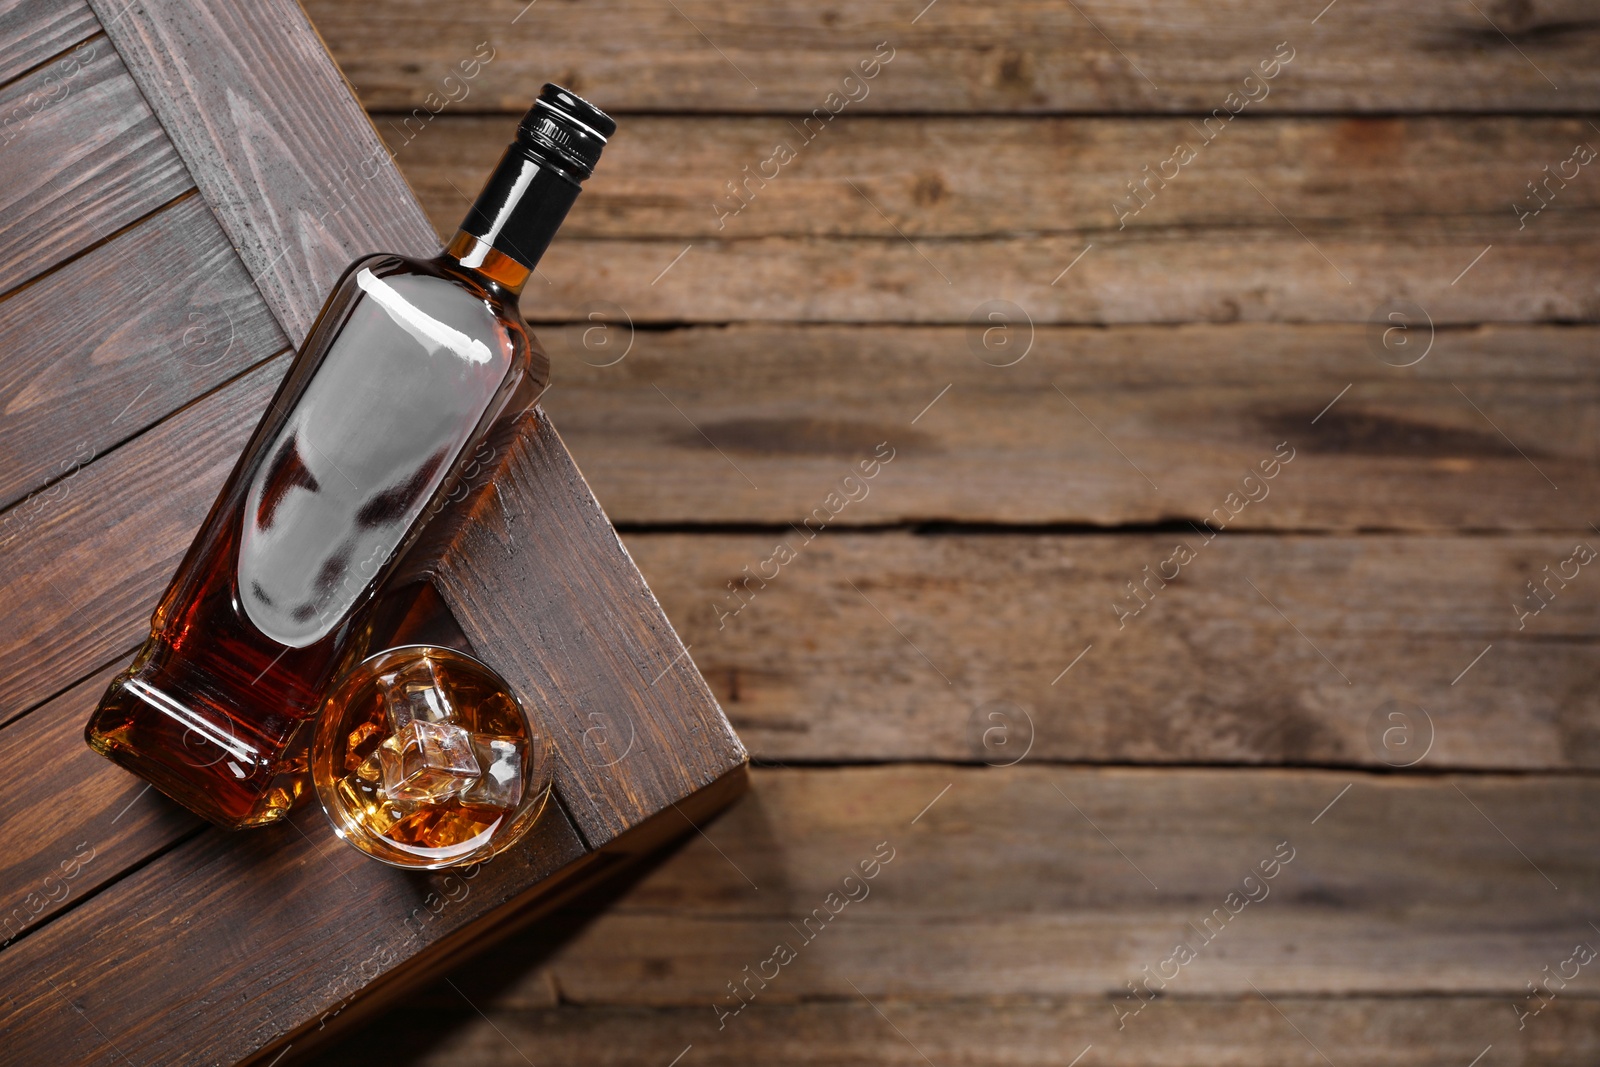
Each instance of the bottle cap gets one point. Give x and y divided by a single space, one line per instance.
569 127
523 202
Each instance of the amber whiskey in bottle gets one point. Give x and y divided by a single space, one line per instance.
410 368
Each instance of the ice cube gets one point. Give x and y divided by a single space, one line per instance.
371 768
499 783
365 802
429 761
361 743
415 693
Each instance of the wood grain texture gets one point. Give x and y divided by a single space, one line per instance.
545 592
1193 407
1324 274
35 30
271 174
884 220
291 167
83 157
1184 1032
197 885
1001 889
257 939
897 646
964 56
1418 904
1010 943
77 381
72 822
667 176
91 555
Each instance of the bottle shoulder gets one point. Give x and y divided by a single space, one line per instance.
433 292
389 264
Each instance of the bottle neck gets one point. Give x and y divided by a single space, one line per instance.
522 205
474 255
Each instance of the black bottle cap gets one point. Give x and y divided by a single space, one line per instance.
565 125
558 143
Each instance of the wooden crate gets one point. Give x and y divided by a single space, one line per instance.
179 185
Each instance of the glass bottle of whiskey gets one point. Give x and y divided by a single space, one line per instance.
410 367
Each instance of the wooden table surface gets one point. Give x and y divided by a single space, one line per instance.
1350 281
1314 784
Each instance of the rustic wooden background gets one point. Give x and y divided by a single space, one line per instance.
942 671
721 379
1351 239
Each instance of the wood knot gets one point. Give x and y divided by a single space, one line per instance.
928 190
1014 71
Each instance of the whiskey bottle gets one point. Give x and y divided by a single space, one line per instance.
411 365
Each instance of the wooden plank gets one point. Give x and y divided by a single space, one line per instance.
73 822
77 381
35 30
1037 56
953 647
1325 274
1195 407
83 576
84 157
292 169
224 919
1183 1032
667 176
544 590
820 242
1002 890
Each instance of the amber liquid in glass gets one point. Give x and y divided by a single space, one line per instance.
408 368
425 758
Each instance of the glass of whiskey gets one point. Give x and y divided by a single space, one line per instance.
425 758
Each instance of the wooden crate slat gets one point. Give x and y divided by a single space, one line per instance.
666 176
1177 1032
1255 275
1195 406
77 381
585 641
634 55
84 158
73 821
1207 672
35 30
1003 876
93 553
249 940
281 153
